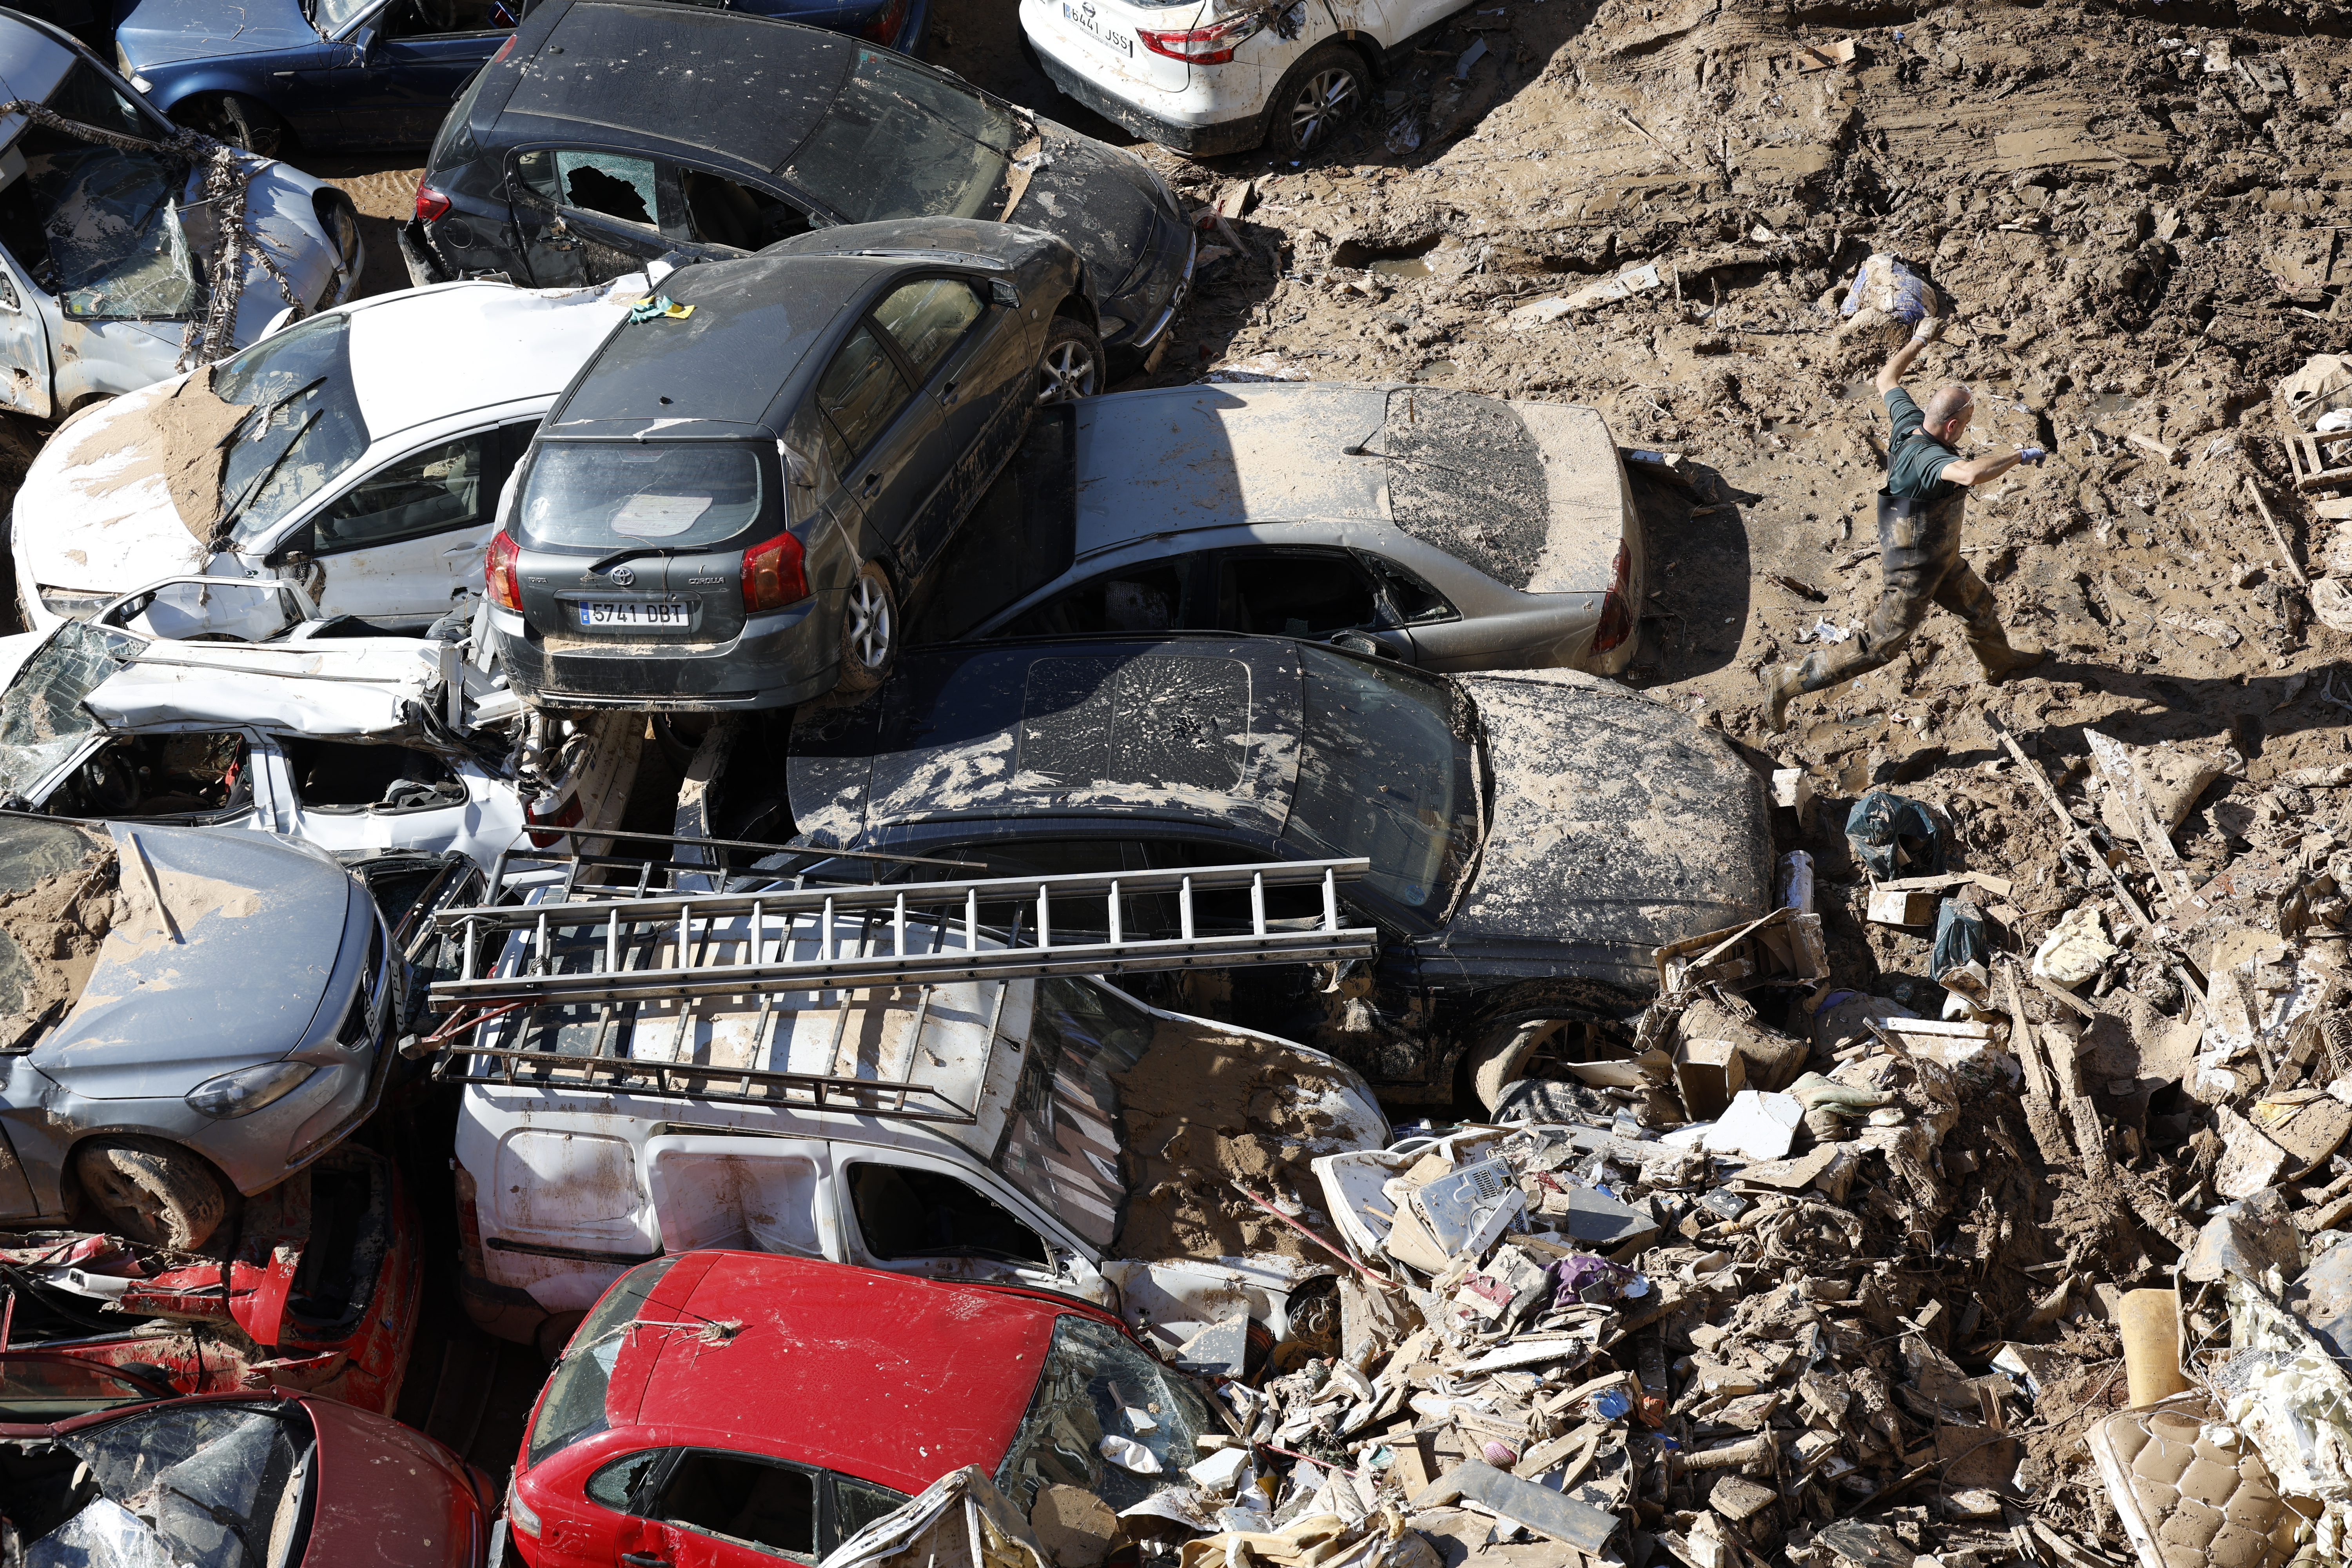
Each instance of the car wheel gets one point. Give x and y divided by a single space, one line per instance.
151 1191
1071 366
234 118
869 630
1501 1059
1322 93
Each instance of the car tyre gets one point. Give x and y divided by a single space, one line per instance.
1071 366
869 630
1540 1021
1318 96
234 118
151 1192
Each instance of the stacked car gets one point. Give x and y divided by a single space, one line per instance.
698 798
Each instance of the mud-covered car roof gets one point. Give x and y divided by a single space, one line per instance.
745 87
1203 727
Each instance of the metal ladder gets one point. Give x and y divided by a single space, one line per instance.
737 944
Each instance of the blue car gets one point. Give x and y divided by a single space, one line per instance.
369 73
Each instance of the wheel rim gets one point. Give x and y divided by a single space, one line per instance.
1328 98
1066 375
869 623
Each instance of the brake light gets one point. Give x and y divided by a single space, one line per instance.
1202 46
498 572
1616 613
504 50
430 205
772 574
885 27
569 816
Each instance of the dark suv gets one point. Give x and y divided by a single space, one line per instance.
723 510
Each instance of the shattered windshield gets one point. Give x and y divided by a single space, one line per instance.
573 1406
1416 815
1060 1140
100 225
1097 1384
302 427
899 143
207 1486
42 721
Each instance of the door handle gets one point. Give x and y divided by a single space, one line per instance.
872 487
947 393
644 1560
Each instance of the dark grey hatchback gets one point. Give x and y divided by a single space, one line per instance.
725 506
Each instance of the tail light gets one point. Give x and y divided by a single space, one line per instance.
498 572
431 204
885 27
504 50
571 814
1202 46
1616 611
772 574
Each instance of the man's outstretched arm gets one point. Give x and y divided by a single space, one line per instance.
1890 375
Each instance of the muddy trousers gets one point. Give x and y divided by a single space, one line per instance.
1919 564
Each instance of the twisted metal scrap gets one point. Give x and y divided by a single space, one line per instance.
226 179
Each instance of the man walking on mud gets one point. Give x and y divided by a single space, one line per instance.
1919 516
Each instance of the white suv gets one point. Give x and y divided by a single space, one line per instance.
1204 77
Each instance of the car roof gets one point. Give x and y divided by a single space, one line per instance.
514 344
1198 729
747 86
32 63
888 1377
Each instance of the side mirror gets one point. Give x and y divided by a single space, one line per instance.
362 42
1004 293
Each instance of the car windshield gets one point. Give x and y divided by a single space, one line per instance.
208 1486
101 224
42 721
1082 1038
46 1388
331 16
1416 817
301 428
677 495
573 1407
900 143
1097 1384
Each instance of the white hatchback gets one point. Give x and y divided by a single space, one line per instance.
1206 77
364 451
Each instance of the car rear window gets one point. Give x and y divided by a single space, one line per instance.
574 1405
677 495
900 143
1466 476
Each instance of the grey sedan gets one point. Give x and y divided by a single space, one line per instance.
1441 528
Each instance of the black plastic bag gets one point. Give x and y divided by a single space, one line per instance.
1893 837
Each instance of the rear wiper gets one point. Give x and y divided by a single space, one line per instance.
631 554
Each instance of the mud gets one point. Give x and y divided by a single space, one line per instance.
50 934
1206 1112
179 441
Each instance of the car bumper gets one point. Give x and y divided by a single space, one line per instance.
1201 140
780 661
416 254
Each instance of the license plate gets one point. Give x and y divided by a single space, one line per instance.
1119 41
635 612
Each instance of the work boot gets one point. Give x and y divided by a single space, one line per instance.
2002 655
1790 682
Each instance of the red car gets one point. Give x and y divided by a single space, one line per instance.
107 1466
721 1409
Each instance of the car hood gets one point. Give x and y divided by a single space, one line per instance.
158 32
1103 201
389 1497
1619 827
280 211
258 924
100 491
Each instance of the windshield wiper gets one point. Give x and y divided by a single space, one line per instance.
268 409
225 537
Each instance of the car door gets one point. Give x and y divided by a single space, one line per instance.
589 215
24 344
404 69
961 351
404 543
879 432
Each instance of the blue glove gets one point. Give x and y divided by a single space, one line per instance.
2030 454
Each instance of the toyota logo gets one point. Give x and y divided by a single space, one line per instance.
624 577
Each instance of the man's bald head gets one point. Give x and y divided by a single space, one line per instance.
1948 411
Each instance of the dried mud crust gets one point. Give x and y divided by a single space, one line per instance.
1205 1113
52 928
181 440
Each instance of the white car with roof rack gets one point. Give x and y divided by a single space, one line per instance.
894 1077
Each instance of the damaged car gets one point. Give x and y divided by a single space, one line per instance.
105 1467
113 258
169 706
728 132
1437 527
656 1440
725 509
185 1015
332 453
1534 838
314 1286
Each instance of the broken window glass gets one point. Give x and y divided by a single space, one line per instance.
906 1214
1060 1144
42 721
573 1404
113 220
1096 1383
899 143
1156 721
611 185
856 1504
739 1497
720 211
45 1388
302 427
1416 815
210 1485
617 1483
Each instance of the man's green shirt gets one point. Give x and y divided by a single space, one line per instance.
1914 458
